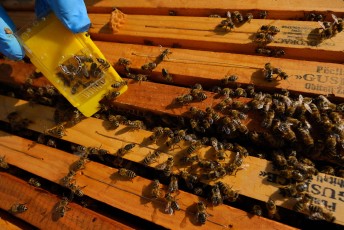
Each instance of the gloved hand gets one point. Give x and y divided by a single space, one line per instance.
72 13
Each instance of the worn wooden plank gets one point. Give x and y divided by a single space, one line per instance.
41 206
149 92
207 68
300 40
7 225
104 185
294 9
264 181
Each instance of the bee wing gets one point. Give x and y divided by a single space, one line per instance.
334 18
229 14
322 25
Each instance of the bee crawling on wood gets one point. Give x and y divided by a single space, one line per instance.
201 214
19 208
272 209
122 151
149 66
171 204
338 24
77 190
227 22
326 30
126 173
165 74
103 63
135 125
62 207
184 99
57 131
163 55
151 157
167 166
34 182
124 62
3 163
156 190
119 84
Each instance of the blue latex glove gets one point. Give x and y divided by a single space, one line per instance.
72 13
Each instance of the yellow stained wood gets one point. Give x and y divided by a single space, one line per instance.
41 207
263 181
104 184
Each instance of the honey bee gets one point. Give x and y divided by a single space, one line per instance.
227 192
302 203
263 14
3 163
189 159
201 214
57 131
257 210
318 212
149 66
135 125
224 104
168 132
326 30
80 164
268 72
69 178
193 147
111 95
269 29
285 131
171 204
156 190
34 182
124 62
264 37
168 77
227 92
167 166
292 174
119 84
62 207
229 79
306 137
151 157
18 208
184 99
163 55
77 190
268 118
272 209
227 22
293 190
237 17
122 151
216 198
189 179
279 159
176 138
173 185
126 173
248 17
103 63
140 77
157 133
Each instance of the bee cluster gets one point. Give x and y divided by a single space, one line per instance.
234 19
147 68
196 94
269 71
328 29
81 71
